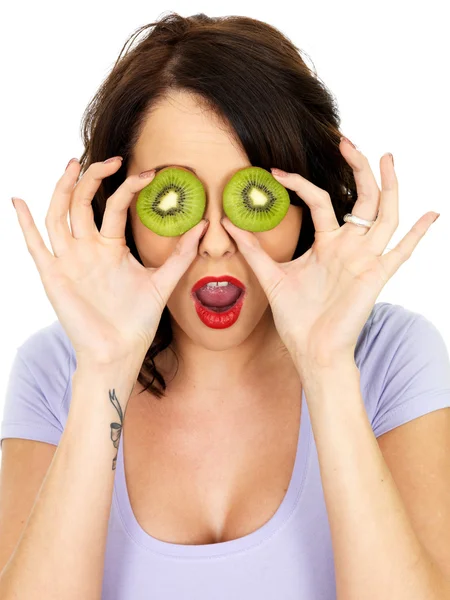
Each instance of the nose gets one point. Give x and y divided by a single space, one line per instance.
216 241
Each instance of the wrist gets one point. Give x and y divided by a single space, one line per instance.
93 382
329 369
124 368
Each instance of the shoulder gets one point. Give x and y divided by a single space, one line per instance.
48 348
404 364
49 357
35 403
49 339
393 329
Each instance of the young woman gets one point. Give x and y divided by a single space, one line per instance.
163 446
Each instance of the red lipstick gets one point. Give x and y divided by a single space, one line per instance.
204 280
212 318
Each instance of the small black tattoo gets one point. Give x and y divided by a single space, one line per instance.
116 428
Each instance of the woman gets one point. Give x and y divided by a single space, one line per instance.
261 459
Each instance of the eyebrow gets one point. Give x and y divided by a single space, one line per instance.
159 167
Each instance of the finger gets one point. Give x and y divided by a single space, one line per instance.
317 199
80 210
386 222
41 255
268 272
56 219
368 192
115 215
392 260
166 277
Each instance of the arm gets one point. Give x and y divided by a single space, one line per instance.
60 554
377 554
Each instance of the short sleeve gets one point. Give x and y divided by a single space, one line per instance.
36 390
416 371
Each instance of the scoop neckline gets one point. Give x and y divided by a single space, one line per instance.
251 540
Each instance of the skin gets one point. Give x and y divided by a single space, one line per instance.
179 131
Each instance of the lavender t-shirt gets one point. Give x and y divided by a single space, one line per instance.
405 373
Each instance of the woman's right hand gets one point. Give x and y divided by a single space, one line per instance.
107 302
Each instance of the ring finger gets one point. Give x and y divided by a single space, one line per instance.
56 219
81 214
368 192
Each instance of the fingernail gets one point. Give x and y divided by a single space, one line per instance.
279 172
70 162
12 200
347 140
206 225
146 173
108 160
436 218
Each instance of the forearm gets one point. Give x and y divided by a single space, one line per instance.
60 554
377 554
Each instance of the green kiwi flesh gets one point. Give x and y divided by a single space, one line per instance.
254 200
172 203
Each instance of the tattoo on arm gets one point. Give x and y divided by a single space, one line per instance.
116 428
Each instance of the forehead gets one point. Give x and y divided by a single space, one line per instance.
180 129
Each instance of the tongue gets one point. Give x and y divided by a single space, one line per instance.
218 296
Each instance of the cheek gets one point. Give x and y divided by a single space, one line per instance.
281 241
153 249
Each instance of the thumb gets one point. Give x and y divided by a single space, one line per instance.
268 272
166 277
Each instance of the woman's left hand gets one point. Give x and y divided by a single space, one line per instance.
321 300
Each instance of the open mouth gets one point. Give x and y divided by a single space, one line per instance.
220 309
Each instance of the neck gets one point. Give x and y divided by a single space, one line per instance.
228 379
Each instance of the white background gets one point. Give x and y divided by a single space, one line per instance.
386 62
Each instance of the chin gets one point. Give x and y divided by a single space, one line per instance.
186 319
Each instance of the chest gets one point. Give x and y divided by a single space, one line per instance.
194 478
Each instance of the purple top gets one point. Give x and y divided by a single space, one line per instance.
405 373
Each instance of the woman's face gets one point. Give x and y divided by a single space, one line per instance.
179 132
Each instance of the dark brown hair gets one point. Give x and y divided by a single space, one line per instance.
253 78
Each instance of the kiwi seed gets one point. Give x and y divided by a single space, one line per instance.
254 200
172 203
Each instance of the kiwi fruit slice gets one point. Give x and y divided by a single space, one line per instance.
254 200
172 203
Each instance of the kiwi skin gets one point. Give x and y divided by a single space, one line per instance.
172 203
254 200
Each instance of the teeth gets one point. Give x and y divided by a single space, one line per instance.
217 284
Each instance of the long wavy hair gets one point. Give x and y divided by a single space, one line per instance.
251 76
